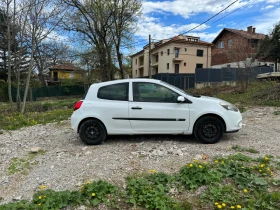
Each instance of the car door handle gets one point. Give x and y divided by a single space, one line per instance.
137 107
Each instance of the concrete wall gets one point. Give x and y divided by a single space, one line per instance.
199 85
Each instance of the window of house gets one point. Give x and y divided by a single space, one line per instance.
185 64
176 53
117 92
135 61
168 51
167 65
199 53
136 72
156 58
221 44
161 53
229 42
199 65
149 92
185 49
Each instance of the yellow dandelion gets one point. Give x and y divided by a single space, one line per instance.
200 166
43 187
232 207
260 171
268 169
219 206
222 162
88 182
92 194
45 196
39 204
261 165
245 190
238 206
191 165
223 204
153 171
266 158
216 161
40 197
83 186
242 167
216 203
205 162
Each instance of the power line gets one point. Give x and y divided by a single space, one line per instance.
211 17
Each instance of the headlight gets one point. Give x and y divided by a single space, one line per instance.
229 106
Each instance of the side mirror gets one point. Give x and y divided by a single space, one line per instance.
180 99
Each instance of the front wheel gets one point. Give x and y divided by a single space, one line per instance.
209 130
92 132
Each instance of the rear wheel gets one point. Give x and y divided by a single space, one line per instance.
92 132
209 130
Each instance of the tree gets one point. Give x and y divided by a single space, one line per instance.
104 24
48 54
124 19
270 46
43 16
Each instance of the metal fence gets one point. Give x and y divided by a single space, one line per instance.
50 91
183 81
227 74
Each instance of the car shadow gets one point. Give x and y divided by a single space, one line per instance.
190 139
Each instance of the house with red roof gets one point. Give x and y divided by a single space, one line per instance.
237 48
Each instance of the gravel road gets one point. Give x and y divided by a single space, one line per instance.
67 162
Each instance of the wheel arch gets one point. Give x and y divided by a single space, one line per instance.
90 118
210 115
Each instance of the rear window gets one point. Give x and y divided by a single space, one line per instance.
117 92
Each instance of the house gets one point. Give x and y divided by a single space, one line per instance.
237 49
65 71
180 54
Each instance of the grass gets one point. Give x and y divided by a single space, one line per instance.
237 181
23 164
39 112
242 149
258 93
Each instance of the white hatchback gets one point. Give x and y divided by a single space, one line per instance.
148 106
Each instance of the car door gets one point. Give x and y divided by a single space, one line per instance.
154 109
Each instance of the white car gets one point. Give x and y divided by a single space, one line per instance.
148 106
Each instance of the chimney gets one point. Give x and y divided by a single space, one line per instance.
254 30
249 29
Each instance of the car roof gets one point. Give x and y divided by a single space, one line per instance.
126 80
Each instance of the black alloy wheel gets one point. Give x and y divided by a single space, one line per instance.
209 130
92 132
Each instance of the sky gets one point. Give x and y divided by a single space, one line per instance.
164 19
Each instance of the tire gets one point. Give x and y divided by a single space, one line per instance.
209 130
92 132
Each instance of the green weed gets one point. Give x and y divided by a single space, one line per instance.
232 182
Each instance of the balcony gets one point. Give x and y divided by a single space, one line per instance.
178 59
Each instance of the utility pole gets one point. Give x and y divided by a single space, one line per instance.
150 73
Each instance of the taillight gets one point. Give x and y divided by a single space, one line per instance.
78 105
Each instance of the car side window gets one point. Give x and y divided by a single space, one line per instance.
117 92
150 92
